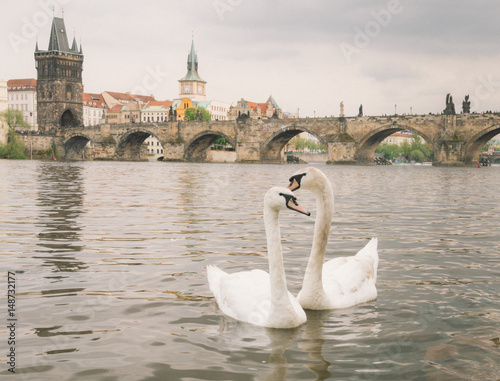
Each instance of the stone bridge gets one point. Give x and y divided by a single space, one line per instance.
455 139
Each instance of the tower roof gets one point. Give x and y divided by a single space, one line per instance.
58 36
192 66
273 102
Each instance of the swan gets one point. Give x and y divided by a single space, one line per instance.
255 296
341 282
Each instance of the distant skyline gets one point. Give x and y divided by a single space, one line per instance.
397 55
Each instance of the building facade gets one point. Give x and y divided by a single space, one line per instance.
155 111
253 110
94 109
191 85
22 96
181 105
218 110
59 81
398 138
154 147
4 100
124 114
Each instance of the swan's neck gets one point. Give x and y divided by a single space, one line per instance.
324 208
279 291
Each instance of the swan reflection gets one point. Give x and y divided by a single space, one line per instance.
304 344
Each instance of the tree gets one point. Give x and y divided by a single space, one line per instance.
205 115
405 147
191 113
14 118
417 155
14 149
390 151
222 144
300 144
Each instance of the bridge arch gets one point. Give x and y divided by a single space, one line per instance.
365 148
474 145
196 149
74 146
130 144
272 147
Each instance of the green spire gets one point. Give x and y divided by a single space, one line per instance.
192 66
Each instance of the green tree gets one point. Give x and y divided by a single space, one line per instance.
405 148
190 113
14 149
221 144
300 144
390 151
417 155
205 115
14 118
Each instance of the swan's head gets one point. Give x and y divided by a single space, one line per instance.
278 198
311 179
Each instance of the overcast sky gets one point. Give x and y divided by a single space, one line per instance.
310 55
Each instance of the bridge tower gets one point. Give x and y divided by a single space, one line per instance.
191 85
59 81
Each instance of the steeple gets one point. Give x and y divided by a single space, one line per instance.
192 66
74 48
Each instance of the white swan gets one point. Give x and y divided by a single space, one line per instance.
255 296
341 282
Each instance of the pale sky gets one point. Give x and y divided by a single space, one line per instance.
309 55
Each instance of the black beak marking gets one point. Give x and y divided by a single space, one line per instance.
297 178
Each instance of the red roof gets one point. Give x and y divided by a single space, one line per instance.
21 84
131 97
401 134
253 105
165 104
93 100
116 108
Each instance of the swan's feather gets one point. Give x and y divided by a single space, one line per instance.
352 280
246 296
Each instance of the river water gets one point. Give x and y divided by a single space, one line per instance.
109 261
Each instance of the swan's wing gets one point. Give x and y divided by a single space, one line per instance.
353 281
245 296
335 263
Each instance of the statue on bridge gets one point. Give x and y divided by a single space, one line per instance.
450 106
360 112
342 109
466 105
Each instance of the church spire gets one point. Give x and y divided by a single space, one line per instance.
192 66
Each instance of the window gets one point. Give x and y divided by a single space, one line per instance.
69 92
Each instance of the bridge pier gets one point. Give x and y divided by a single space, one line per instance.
449 152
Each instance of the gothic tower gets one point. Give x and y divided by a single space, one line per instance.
191 85
59 81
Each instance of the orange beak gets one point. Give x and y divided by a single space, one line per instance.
293 185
